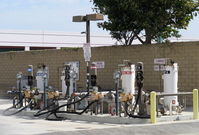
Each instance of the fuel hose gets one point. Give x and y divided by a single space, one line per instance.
18 111
39 113
62 118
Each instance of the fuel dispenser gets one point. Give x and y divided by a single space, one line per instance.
30 76
140 95
116 77
30 96
170 81
93 73
23 82
19 88
128 79
133 101
42 77
68 78
128 98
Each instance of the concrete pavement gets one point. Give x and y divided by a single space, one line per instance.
185 128
21 125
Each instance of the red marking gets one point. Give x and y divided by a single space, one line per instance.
126 72
173 102
93 67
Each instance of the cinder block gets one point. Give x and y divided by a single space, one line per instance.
185 54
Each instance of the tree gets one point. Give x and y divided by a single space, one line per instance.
145 20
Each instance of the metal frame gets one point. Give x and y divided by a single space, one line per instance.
169 94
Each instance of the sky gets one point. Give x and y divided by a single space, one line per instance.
56 15
47 15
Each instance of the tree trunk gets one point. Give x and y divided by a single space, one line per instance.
148 37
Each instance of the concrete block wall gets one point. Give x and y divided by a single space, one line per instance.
186 54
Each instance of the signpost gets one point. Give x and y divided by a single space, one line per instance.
87 46
87 57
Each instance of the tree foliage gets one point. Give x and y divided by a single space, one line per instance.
145 20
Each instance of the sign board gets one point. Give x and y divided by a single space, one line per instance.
75 66
87 51
160 61
156 68
159 68
99 64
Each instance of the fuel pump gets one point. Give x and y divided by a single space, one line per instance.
19 87
63 83
116 77
94 77
128 81
140 94
170 81
131 76
68 78
127 90
30 76
42 77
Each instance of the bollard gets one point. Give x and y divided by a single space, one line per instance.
153 107
195 104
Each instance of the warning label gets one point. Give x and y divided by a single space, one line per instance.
126 72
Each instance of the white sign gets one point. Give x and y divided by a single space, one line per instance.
156 68
162 68
159 68
99 64
160 61
87 51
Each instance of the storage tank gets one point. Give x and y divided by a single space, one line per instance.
63 83
128 79
170 78
41 76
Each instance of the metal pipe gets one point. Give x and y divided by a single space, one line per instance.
174 94
117 97
170 94
44 98
87 31
103 92
88 62
20 94
87 76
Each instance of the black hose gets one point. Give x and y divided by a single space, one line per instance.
55 109
23 108
62 118
72 102
56 119
79 113
137 100
13 106
45 108
136 116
